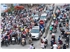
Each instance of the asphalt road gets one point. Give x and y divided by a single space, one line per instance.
16 46
36 42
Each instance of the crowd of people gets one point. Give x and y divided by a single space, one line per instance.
16 28
17 24
61 22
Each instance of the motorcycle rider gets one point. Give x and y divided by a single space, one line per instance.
51 28
45 41
53 36
67 40
6 39
30 38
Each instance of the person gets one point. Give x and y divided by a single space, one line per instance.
44 39
67 25
60 42
32 46
52 23
53 36
55 46
51 28
60 25
67 40
52 42
6 37
30 38
59 38
59 47
64 46
42 45
62 32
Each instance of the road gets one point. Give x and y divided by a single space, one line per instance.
35 42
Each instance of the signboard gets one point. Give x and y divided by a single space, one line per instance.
41 22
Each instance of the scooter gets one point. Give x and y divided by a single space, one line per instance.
23 41
18 40
13 40
6 42
43 30
50 32
30 40
67 28
46 43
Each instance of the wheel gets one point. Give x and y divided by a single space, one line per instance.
13 43
38 38
6 44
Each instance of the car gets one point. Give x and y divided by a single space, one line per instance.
43 17
35 17
50 8
35 32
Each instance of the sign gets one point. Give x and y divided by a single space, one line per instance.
41 22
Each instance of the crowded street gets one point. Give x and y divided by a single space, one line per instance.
38 26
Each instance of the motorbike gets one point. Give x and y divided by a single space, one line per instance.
13 40
30 40
6 42
18 40
50 32
67 28
43 30
23 41
2 43
64 24
54 30
46 43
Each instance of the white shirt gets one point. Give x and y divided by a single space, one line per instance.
52 23
44 39
42 45
31 47
55 46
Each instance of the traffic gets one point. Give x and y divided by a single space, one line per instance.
27 27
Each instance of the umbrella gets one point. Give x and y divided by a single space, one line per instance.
19 7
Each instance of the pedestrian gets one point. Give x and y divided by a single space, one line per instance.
32 46
64 46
